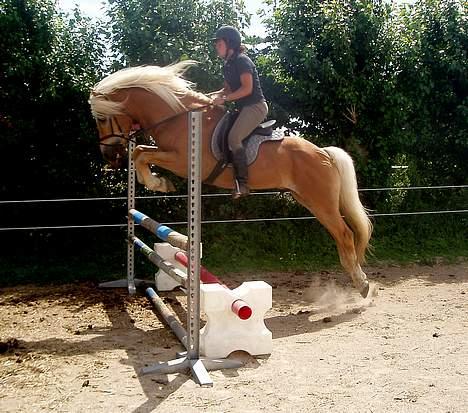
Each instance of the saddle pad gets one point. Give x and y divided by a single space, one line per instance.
251 144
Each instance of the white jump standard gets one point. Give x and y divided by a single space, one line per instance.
191 359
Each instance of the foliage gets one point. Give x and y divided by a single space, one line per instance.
236 247
377 80
161 33
332 62
48 63
432 56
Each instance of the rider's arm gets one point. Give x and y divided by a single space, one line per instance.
226 89
246 88
222 92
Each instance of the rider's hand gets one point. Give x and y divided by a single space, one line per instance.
219 100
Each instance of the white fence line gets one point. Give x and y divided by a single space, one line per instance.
230 221
124 198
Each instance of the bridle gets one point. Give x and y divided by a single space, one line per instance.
113 134
133 135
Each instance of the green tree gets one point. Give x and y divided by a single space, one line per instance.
331 69
433 75
49 62
164 32
386 83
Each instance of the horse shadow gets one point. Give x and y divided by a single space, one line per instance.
298 324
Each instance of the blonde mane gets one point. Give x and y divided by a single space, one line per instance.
166 82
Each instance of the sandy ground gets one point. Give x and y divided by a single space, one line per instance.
80 349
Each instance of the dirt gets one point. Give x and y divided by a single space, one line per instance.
75 348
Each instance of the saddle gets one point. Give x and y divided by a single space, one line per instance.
220 146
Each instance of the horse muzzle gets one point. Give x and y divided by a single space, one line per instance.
118 162
114 152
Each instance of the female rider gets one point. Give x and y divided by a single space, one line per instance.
242 86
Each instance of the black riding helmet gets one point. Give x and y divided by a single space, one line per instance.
230 35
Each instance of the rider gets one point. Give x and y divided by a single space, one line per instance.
242 86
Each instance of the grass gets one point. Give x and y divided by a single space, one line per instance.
307 246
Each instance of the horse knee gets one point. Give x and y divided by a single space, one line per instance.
142 149
137 152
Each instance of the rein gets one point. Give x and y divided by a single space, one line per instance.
141 131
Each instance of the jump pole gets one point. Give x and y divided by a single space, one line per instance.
178 240
163 232
238 306
157 260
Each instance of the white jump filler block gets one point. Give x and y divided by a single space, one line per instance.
162 280
224 331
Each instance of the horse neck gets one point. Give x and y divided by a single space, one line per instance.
191 101
148 109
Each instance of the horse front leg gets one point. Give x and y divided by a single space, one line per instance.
145 156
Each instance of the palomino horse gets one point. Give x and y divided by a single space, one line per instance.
321 179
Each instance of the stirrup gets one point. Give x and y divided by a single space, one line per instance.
240 190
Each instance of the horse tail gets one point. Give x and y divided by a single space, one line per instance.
351 207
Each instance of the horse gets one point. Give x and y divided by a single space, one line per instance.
323 180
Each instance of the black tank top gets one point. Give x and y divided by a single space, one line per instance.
233 68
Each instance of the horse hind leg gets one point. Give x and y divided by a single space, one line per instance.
344 239
331 219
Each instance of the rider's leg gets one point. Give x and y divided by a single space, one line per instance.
249 118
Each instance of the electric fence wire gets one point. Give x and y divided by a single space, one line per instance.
227 221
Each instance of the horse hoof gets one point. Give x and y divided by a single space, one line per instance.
365 290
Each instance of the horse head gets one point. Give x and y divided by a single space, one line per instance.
113 139
145 95
113 124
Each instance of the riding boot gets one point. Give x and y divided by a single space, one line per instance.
241 174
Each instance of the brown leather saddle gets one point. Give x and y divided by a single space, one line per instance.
220 146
